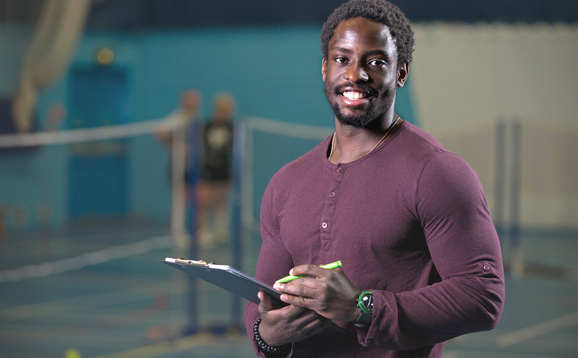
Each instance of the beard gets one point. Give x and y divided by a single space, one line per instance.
362 120
359 121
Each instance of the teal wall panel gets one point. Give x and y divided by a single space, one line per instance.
273 72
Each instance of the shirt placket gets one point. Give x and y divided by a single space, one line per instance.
327 217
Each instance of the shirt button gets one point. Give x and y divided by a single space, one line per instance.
324 225
486 267
332 194
339 170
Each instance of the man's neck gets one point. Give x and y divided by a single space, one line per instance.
350 143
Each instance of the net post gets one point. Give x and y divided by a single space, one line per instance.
500 179
239 155
516 259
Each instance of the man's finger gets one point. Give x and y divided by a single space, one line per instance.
306 270
310 271
266 303
298 301
297 290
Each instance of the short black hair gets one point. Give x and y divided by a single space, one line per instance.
380 11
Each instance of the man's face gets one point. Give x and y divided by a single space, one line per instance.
360 73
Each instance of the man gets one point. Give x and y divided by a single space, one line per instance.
180 134
408 219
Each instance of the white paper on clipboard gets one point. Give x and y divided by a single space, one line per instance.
226 277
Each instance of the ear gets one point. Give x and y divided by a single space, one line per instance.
323 68
402 74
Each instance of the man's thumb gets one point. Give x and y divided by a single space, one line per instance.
266 303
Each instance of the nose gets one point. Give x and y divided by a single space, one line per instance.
356 73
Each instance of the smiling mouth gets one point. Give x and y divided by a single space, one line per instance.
355 92
352 95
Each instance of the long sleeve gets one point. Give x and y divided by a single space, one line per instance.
465 252
274 261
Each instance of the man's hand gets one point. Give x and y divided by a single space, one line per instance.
327 292
287 324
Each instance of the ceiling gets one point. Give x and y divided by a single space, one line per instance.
170 14
145 15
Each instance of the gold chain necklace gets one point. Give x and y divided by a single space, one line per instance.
333 139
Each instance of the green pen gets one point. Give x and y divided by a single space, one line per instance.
330 266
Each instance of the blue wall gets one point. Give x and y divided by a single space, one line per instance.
272 72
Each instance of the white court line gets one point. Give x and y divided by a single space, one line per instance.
537 330
91 258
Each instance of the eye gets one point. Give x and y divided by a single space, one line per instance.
341 59
378 63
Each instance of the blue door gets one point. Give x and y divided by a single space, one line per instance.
98 170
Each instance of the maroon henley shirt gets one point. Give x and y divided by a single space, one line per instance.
409 221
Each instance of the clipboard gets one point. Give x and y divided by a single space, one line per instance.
226 277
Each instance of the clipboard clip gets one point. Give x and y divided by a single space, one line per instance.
198 263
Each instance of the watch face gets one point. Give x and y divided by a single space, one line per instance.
367 301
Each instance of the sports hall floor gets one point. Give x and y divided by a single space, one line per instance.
109 297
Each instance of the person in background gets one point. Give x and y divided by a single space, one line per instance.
421 260
186 115
217 139
184 121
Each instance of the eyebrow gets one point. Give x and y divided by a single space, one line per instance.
342 49
377 52
368 53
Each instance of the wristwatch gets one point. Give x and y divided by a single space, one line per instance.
365 305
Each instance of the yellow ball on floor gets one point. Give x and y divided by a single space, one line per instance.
72 353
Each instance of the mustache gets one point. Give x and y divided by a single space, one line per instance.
339 89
